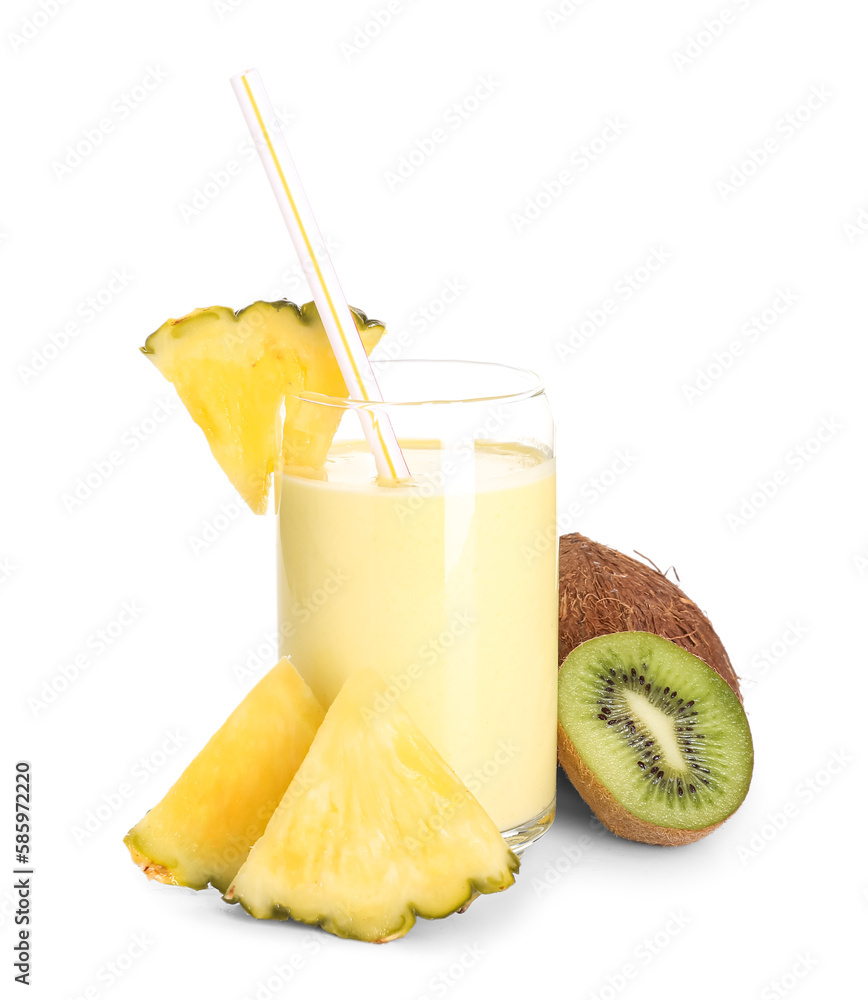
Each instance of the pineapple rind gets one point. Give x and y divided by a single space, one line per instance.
405 923
374 830
203 828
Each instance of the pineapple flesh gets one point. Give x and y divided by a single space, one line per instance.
203 829
232 371
374 829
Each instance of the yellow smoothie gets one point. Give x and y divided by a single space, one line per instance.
444 587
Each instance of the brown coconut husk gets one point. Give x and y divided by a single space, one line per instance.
603 591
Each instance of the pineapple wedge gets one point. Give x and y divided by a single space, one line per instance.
373 829
232 371
203 829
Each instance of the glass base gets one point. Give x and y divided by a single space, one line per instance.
521 837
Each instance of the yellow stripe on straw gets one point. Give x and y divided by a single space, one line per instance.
334 312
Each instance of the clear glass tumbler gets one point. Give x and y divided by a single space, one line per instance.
447 584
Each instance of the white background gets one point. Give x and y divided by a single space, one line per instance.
772 904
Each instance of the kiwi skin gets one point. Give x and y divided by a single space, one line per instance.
610 812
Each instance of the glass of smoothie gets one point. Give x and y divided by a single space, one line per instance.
447 583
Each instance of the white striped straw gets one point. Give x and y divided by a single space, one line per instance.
327 294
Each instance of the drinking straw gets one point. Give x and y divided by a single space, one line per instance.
333 309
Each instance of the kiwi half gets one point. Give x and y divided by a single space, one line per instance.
655 741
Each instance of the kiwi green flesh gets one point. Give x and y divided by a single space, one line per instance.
658 728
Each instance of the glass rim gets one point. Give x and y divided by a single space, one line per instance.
533 388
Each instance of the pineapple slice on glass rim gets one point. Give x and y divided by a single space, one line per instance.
232 371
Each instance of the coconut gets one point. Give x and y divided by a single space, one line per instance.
603 591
